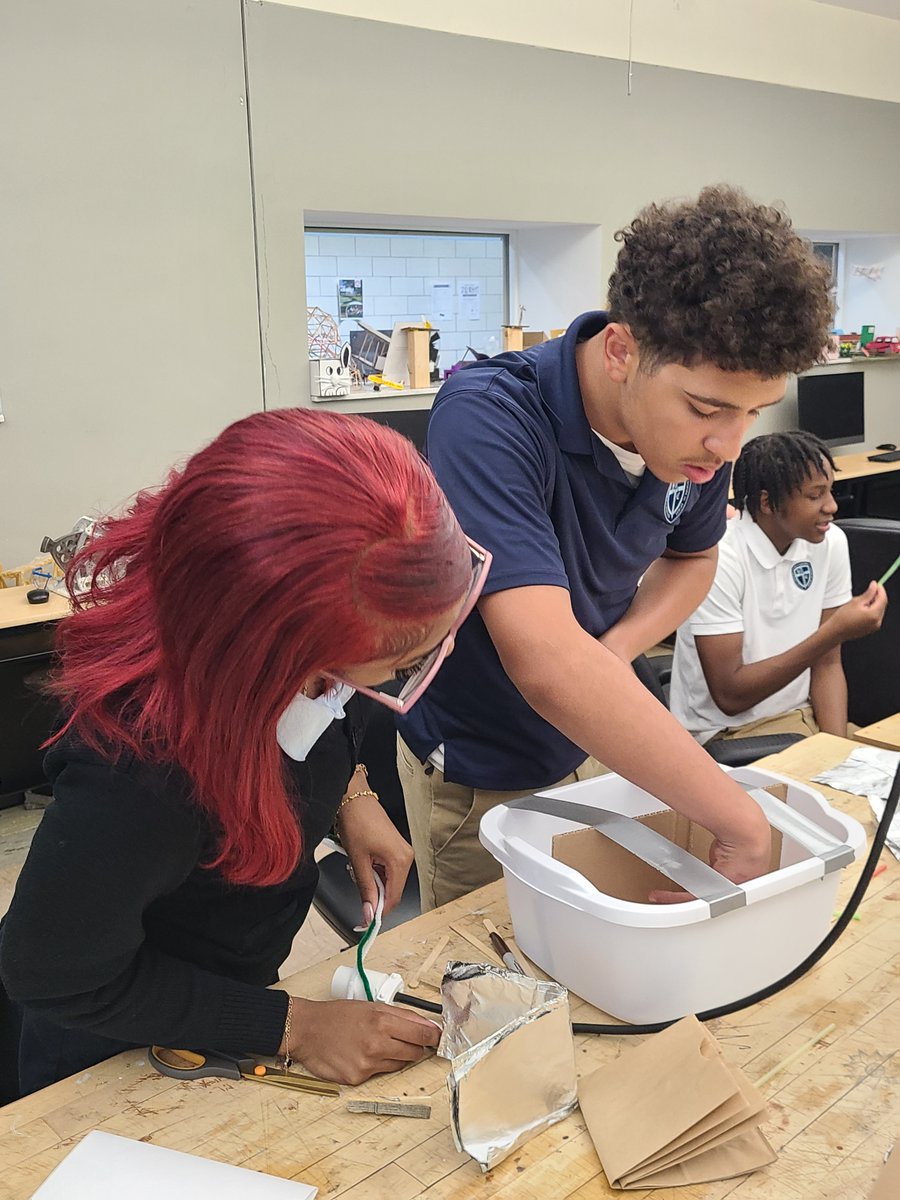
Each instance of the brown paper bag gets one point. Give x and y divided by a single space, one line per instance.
672 1111
887 1185
743 1154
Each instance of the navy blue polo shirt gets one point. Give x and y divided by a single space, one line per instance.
511 446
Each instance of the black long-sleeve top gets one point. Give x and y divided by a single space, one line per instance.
117 927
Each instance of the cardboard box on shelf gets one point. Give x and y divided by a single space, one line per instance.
418 343
517 337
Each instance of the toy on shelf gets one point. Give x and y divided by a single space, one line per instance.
369 349
883 344
515 337
323 333
329 378
477 356
831 351
40 572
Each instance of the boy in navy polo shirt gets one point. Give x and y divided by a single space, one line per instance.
588 465
762 653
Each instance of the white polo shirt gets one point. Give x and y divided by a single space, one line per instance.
775 601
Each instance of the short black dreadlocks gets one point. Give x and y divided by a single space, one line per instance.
779 464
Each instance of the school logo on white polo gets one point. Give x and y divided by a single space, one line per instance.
677 497
803 575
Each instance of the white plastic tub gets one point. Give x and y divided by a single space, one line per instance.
647 962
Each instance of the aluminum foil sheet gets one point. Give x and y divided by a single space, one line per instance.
512 1072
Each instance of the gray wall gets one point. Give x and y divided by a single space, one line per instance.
551 137
129 333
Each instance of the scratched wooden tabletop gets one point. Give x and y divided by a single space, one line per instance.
832 1113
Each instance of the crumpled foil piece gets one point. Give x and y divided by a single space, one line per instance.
512 1072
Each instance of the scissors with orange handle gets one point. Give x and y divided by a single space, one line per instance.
191 1064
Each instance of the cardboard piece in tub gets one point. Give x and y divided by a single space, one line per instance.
617 872
673 1112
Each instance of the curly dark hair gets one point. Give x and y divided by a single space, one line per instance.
721 280
778 464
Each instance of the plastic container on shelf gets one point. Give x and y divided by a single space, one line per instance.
576 895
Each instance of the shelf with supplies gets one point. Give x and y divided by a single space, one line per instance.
856 360
362 400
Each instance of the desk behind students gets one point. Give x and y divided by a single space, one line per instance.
864 488
26 715
856 469
833 1113
885 733
857 466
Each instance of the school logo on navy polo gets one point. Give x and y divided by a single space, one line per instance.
676 500
803 575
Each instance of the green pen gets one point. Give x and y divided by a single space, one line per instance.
889 572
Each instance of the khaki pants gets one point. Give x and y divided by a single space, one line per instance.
798 720
443 824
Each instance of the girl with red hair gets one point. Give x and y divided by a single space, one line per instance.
228 620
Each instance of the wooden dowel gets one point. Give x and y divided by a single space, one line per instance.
489 954
429 962
798 1053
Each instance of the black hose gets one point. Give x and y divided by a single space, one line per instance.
725 1010
415 1002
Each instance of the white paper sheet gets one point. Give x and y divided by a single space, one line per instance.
468 292
441 291
106 1167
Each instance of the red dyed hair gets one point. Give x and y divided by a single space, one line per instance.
297 542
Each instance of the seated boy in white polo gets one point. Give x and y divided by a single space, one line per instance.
762 652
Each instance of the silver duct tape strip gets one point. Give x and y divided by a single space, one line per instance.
688 872
812 837
512 1073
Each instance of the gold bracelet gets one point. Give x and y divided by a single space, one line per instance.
287 1061
355 796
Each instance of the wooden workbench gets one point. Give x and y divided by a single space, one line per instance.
885 733
832 1113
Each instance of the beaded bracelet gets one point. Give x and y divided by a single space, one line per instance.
366 791
354 796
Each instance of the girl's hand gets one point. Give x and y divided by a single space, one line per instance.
350 1040
373 842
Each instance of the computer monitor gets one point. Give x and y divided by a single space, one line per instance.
411 422
831 406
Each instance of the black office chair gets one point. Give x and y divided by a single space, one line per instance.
337 897
28 712
736 752
872 664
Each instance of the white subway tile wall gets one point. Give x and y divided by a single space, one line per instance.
397 273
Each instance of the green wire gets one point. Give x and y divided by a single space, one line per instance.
360 946
889 572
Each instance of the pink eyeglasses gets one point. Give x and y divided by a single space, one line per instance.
418 675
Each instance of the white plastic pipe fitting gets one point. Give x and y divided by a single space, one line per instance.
346 984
